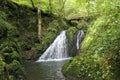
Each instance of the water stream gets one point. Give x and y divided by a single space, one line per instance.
50 70
80 37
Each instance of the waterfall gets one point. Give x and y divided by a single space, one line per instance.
58 50
77 40
80 36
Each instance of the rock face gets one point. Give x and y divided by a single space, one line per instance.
77 39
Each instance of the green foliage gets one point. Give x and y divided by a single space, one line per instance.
91 34
93 67
47 37
2 64
15 68
44 5
9 45
99 59
3 15
100 56
14 17
46 40
15 55
70 32
53 26
28 40
6 29
11 67
9 49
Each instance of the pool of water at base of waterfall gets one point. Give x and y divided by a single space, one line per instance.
50 70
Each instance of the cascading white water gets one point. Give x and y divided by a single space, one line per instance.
80 36
58 50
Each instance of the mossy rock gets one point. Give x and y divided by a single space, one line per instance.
70 33
100 51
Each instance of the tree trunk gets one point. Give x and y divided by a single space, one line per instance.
39 20
32 4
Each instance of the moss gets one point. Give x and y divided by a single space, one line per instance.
91 34
70 32
100 50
